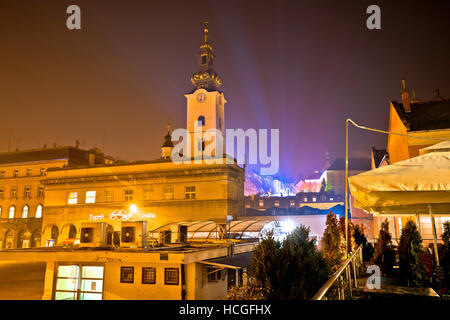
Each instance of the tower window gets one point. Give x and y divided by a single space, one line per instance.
203 59
201 119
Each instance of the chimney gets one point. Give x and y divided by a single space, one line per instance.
414 99
91 158
405 98
437 95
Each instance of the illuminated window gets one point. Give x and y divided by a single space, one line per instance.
27 192
41 192
128 194
305 199
38 213
29 171
190 192
168 193
15 173
171 276
25 212
13 192
314 199
12 211
261 203
2 175
73 198
148 275
126 274
90 196
148 193
42 172
331 199
109 196
277 203
292 203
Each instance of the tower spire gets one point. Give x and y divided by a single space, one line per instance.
206 77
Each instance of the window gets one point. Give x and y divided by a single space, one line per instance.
261 203
148 193
129 194
79 282
190 192
2 194
38 213
213 274
2 175
25 211
148 275
168 193
15 173
305 199
12 211
277 203
41 192
171 276
27 192
42 172
29 171
204 59
126 274
13 192
90 196
73 198
201 119
0 212
220 123
292 203
314 199
109 196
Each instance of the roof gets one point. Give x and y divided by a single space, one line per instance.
355 164
74 154
430 115
237 261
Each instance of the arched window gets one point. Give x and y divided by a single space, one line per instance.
72 232
25 211
38 213
201 119
12 211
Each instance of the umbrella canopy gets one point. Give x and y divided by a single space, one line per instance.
407 187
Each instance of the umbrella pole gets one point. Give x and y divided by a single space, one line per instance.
433 225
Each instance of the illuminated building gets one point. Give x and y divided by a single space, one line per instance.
22 193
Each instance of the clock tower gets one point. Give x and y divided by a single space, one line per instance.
205 104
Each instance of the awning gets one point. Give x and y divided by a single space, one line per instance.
237 261
406 187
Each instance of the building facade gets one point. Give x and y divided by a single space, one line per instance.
22 193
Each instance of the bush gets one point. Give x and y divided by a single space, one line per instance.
291 269
384 252
412 270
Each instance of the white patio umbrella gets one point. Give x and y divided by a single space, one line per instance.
415 186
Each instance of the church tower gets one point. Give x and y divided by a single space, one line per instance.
205 104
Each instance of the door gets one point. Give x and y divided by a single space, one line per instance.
79 282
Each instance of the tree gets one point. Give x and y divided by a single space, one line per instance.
351 241
384 253
446 254
412 269
332 244
291 269
360 239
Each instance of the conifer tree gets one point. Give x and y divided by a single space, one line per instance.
384 252
412 269
332 243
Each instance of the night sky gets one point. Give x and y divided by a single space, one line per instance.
300 66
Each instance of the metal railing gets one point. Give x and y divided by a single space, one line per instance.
338 275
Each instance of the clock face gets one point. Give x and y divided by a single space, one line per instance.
201 97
